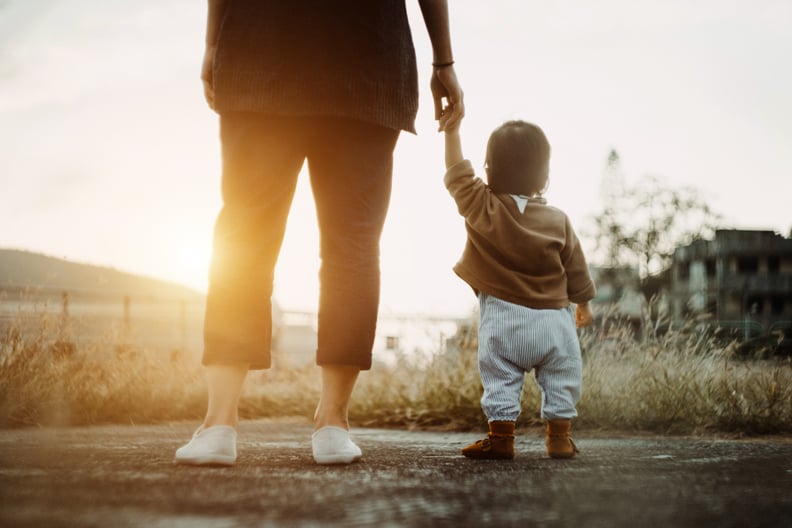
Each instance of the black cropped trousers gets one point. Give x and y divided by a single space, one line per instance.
350 165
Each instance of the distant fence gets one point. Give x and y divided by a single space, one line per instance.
104 318
398 335
10 292
116 319
749 329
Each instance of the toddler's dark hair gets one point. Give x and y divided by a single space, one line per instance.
518 157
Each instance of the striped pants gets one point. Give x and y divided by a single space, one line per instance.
513 340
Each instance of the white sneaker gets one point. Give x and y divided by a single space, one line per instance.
332 445
213 446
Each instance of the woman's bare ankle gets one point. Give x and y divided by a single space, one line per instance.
211 421
333 417
318 424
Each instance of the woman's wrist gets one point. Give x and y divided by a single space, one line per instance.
443 64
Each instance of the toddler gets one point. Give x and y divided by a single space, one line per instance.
525 264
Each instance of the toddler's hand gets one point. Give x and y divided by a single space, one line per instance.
448 122
583 315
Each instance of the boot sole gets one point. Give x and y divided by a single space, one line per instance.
556 455
497 457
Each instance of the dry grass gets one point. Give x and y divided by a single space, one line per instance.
46 381
680 382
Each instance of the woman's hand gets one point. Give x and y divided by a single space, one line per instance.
444 85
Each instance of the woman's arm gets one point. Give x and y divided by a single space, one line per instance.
444 83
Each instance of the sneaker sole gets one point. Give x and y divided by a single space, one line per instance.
216 460
336 459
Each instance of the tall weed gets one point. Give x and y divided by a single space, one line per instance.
675 380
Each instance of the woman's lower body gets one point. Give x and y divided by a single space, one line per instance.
350 166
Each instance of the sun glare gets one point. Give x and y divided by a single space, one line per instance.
192 261
296 274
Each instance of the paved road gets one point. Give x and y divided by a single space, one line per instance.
119 476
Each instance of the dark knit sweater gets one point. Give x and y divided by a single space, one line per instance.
531 258
346 58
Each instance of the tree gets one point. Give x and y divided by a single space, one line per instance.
642 224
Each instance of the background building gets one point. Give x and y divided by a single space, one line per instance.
618 292
742 279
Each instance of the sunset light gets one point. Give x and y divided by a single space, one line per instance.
536 269
112 155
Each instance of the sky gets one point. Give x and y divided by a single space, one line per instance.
110 156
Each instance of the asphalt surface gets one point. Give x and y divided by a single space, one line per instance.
124 476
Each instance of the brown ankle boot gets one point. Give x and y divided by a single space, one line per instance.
559 444
499 443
